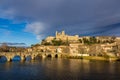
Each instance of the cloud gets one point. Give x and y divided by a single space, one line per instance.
84 17
36 28
39 37
8 13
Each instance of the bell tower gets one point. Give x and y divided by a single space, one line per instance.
63 33
56 33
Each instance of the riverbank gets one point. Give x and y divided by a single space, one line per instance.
93 58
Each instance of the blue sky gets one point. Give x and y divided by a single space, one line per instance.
30 21
12 32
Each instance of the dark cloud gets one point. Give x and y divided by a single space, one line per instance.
83 17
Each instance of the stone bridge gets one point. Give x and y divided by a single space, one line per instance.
23 55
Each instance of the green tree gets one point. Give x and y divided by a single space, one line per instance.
57 42
80 40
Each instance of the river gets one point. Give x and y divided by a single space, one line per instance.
60 69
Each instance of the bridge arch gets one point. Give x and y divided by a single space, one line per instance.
16 58
27 58
37 57
56 55
3 58
49 56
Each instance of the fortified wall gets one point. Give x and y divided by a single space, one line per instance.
62 36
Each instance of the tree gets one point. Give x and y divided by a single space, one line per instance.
80 40
57 42
113 37
4 47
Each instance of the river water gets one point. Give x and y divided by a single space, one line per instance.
60 69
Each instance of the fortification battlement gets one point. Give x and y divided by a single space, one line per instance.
62 36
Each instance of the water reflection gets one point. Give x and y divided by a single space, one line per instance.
60 69
28 58
3 59
16 58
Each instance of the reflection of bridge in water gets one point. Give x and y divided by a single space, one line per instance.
23 56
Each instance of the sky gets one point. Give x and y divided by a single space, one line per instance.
27 22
